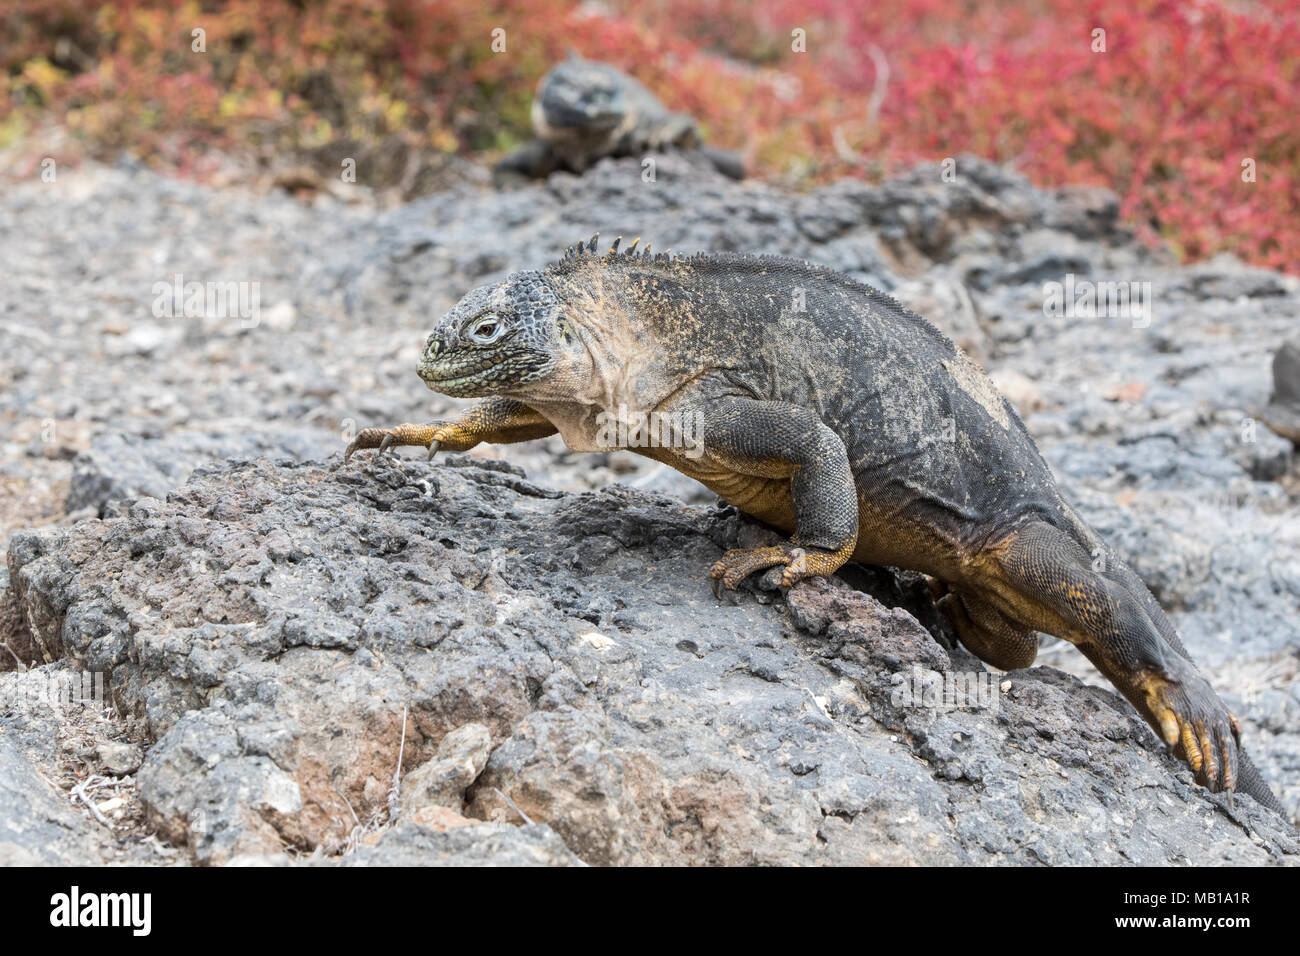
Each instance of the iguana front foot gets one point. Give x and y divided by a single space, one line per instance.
798 563
1193 721
434 435
496 420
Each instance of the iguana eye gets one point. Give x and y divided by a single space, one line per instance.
486 330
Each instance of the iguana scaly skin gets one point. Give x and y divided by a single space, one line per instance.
831 412
586 110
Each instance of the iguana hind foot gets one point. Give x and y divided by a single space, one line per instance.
794 564
1056 588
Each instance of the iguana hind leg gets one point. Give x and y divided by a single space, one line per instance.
1051 585
496 421
988 634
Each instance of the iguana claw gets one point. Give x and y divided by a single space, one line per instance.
1196 725
382 439
799 563
366 438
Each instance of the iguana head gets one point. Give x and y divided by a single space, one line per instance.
581 97
539 335
497 339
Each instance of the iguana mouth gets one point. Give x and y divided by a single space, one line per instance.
490 377
565 119
461 383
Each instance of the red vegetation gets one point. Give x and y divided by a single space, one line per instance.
1185 92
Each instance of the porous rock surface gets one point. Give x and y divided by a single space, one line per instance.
286 630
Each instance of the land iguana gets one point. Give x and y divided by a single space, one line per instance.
585 110
834 414
1282 414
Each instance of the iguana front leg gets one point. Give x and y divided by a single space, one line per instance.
805 461
497 421
534 160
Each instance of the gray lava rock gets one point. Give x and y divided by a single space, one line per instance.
486 844
118 758
1283 411
278 620
120 467
443 781
37 826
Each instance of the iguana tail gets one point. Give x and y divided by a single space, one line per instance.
1252 784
